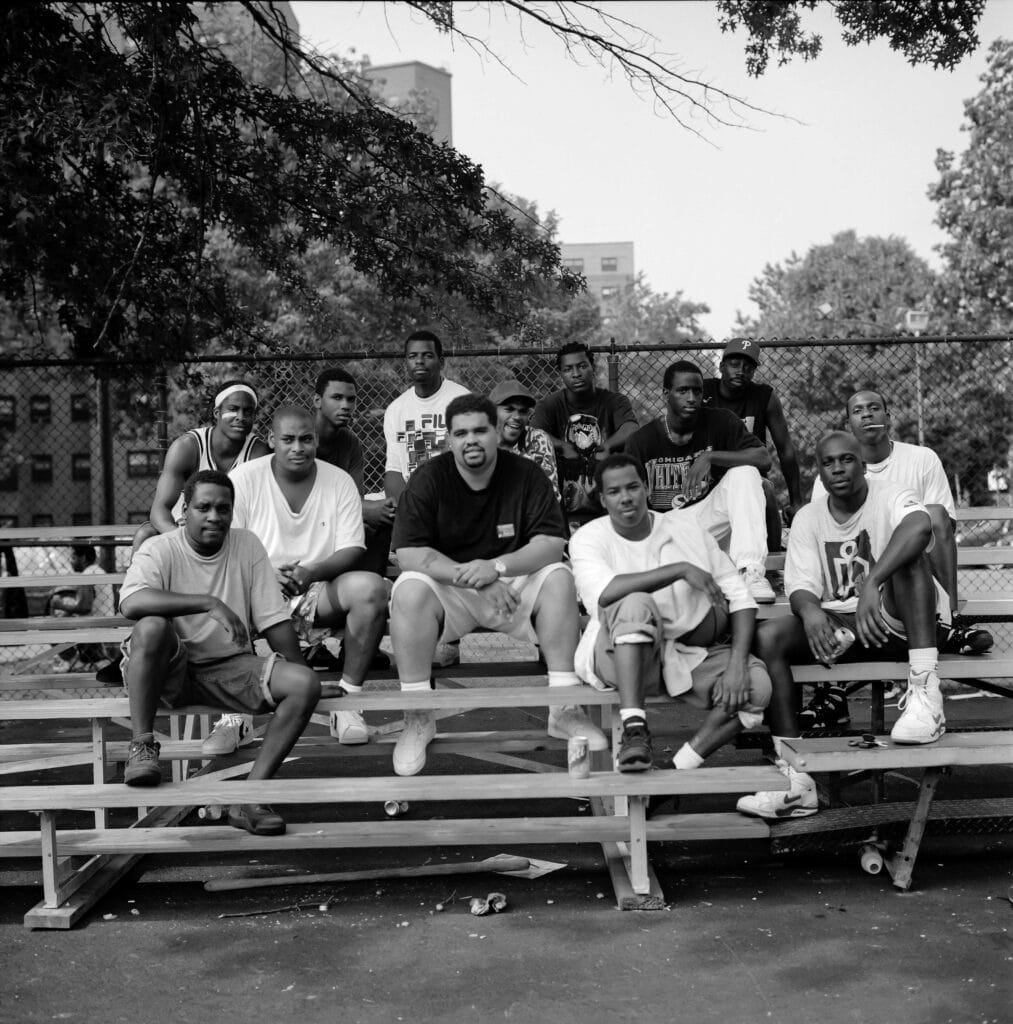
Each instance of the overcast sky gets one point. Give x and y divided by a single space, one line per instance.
854 149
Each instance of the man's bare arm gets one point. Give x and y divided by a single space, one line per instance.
180 462
779 434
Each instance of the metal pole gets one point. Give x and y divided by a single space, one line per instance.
918 390
613 366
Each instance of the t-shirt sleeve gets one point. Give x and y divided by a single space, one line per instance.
394 462
268 606
937 488
545 416
147 571
819 491
726 576
591 562
349 531
356 464
732 436
802 567
542 514
241 503
903 502
620 411
415 522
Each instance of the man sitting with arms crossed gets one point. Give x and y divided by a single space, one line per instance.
667 608
919 469
308 515
479 536
706 460
856 561
195 593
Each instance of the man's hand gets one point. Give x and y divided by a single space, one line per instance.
378 512
698 477
699 579
503 597
230 622
731 692
869 622
293 579
478 573
819 631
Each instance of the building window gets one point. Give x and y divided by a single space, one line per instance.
40 409
42 469
8 412
81 519
42 519
136 518
144 464
80 408
610 293
609 264
8 522
577 265
8 475
80 466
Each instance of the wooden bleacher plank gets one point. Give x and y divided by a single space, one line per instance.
73 579
52 536
951 666
202 790
956 748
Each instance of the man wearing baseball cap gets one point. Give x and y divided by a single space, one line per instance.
760 409
514 403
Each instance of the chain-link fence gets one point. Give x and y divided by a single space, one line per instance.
84 444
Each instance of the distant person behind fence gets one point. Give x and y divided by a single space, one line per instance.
585 423
758 406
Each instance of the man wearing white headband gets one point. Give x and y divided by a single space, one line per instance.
227 443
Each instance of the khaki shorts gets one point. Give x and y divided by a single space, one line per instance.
465 610
239 683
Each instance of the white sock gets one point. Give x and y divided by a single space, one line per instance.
627 713
348 686
923 659
415 687
778 740
564 678
687 757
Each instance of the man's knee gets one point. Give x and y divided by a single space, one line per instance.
151 633
361 591
413 598
635 613
744 476
942 524
774 637
297 683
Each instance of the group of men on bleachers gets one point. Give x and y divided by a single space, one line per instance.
281 541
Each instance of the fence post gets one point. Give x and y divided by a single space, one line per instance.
161 408
613 366
105 427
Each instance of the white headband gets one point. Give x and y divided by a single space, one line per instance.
229 389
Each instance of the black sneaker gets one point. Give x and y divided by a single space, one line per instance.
828 710
635 751
142 767
256 818
111 674
960 638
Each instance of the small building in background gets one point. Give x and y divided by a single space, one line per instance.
609 267
419 92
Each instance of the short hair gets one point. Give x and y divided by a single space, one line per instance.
838 435
425 335
333 373
85 551
862 391
464 404
568 350
679 366
617 460
207 476
291 409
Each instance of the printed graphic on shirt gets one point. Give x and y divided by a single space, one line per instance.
666 481
749 421
424 438
584 433
846 564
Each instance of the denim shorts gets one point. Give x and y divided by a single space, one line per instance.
240 682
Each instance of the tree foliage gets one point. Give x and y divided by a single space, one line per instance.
940 33
974 197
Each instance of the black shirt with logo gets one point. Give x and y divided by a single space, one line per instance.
750 406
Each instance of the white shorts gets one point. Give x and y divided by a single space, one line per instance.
465 610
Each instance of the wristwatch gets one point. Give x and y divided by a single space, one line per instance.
500 566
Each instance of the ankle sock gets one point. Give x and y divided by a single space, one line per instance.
348 686
563 678
627 713
923 659
687 757
425 684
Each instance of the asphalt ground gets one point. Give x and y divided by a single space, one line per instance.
746 936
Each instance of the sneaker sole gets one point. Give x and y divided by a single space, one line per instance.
409 769
256 830
794 812
353 737
634 765
595 738
915 742
148 777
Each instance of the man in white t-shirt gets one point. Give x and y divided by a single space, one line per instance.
857 560
918 468
308 515
669 608
415 429
196 594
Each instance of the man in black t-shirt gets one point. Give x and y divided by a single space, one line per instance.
585 423
760 409
480 539
706 460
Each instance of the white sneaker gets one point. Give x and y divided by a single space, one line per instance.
349 728
566 721
410 749
446 655
799 800
758 585
921 706
230 732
